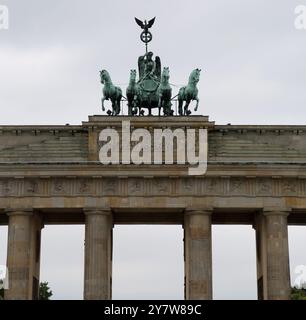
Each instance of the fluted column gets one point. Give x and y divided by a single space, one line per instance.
198 255
98 254
23 254
273 255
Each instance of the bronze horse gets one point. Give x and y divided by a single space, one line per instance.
189 93
110 92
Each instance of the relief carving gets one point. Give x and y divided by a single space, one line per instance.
211 186
264 187
110 186
188 185
289 187
84 187
135 186
58 187
238 186
161 186
31 187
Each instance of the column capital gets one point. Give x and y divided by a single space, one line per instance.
19 211
198 211
276 211
97 211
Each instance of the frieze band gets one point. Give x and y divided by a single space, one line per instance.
227 186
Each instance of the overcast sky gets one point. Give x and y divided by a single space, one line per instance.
253 72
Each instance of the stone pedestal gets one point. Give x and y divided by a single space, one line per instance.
273 255
23 254
198 255
98 254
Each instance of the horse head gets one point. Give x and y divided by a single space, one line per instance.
104 75
133 74
195 76
165 74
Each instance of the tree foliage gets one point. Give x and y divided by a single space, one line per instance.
298 294
44 291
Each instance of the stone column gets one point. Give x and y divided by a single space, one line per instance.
261 256
23 254
98 254
273 255
36 227
198 255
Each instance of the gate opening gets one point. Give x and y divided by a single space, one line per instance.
3 245
297 255
234 262
62 260
148 262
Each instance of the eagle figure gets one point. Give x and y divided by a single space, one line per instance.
145 25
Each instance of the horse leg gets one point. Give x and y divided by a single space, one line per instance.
196 107
169 110
129 106
180 107
116 106
186 111
140 111
113 107
166 108
119 105
102 102
160 103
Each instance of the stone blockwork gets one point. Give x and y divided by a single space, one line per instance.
227 143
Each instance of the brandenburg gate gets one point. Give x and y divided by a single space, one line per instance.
256 175
51 175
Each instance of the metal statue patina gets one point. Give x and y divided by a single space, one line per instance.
147 96
189 93
151 90
165 93
110 92
131 93
146 35
149 68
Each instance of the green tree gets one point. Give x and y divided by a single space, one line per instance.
298 294
44 291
